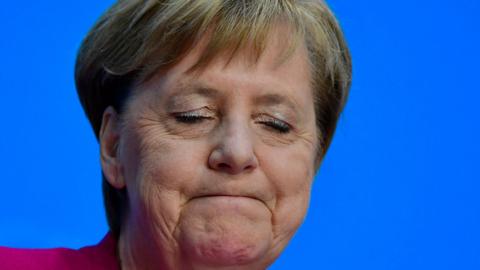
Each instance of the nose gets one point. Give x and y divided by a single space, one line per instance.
233 151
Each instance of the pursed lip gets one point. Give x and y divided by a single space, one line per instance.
227 195
246 196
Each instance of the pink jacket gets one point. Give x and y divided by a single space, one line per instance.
98 257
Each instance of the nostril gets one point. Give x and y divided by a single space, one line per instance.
223 166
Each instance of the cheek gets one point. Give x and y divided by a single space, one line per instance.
155 182
290 171
156 158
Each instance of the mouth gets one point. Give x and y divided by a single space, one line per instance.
233 198
226 196
229 197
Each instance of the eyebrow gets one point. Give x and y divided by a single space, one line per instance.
276 99
186 89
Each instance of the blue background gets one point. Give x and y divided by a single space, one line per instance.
399 188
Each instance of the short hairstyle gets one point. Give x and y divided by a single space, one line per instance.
135 39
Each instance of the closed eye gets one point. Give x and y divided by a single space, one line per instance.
275 124
191 117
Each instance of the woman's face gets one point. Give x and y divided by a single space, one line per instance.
217 163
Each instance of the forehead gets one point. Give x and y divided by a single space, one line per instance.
274 56
280 69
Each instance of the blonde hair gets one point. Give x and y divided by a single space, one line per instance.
135 39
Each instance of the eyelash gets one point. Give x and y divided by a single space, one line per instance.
190 117
276 125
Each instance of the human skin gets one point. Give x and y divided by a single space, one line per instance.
217 163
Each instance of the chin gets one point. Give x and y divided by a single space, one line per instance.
226 248
226 252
